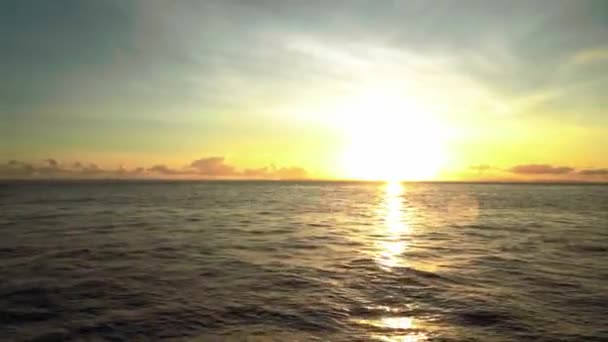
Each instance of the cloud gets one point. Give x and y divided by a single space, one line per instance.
207 167
52 163
90 168
122 171
52 168
273 172
163 170
290 173
217 167
481 168
212 166
16 168
589 56
594 172
540 169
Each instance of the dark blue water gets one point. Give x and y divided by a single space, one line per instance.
274 261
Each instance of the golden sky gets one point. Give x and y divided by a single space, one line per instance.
408 90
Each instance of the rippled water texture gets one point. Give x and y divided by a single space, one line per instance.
267 261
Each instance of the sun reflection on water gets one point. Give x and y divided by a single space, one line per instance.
398 322
395 228
405 329
415 337
391 246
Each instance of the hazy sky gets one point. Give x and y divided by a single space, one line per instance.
511 89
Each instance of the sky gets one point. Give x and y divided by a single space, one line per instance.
442 90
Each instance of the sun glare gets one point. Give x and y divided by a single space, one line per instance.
391 138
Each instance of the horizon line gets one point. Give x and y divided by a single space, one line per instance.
303 180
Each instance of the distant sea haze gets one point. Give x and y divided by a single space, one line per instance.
302 261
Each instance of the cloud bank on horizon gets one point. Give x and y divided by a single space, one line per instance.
204 168
516 83
217 168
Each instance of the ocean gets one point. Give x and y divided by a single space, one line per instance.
302 261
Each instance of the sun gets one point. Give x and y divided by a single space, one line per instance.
391 138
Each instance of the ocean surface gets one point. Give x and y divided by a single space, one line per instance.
303 261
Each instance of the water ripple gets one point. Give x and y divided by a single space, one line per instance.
215 261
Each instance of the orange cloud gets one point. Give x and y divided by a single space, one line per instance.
212 166
594 172
163 170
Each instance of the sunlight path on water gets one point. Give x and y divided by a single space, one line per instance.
389 256
392 245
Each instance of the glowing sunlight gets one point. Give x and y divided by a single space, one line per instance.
391 138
